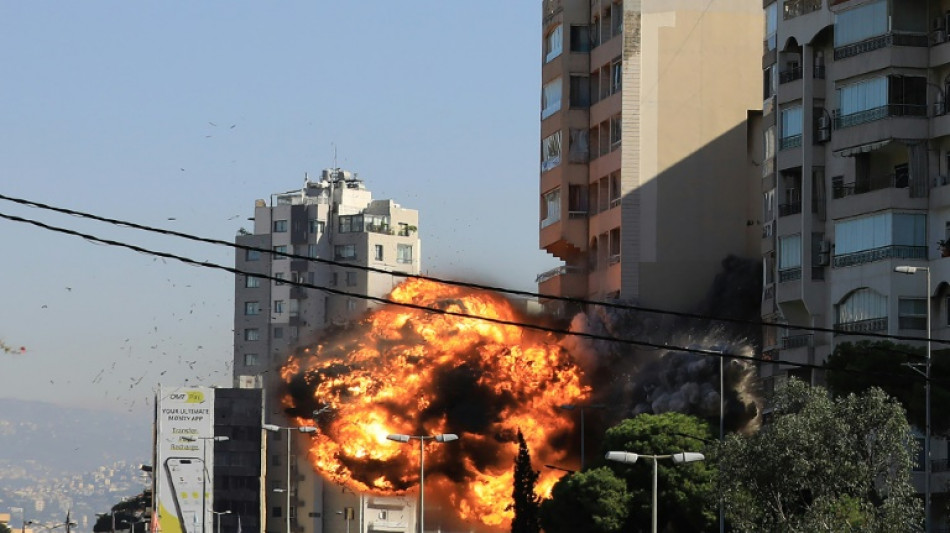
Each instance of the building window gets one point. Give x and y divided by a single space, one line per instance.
861 23
252 255
252 334
252 282
252 308
280 226
316 226
879 237
551 208
334 279
351 224
250 359
278 306
312 251
551 98
351 279
278 332
279 278
862 310
771 26
614 242
553 43
379 252
580 91
580 39
294 307
350 305
616 76
280 249
344 252
579 149
293 331
551 152
616 19
615 132
791 128
404 253
790 257
614 189
912 313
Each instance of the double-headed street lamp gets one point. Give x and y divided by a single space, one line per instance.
927 467
630 458
276 429
444 437
204 475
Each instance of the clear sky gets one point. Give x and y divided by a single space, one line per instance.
180 114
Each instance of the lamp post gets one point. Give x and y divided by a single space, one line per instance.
630 458
204 475
443 437
582 408
217 518
910 270
276 429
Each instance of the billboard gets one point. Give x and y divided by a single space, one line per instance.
184 456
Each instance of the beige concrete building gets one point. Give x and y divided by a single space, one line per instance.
334 218
644 141
854 180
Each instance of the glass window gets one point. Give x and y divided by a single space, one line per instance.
551 208
553 43
862 96
278 332
580 91
912 313
312 250
616 126
294 307
351 223
280 249
316 226
861 23
252 308
551 152
404 253
379 252
791 122
279 278
344 251
351 279
280 226
862 304
580 39
790 252
252 255
616 76
252 334
278 306
881 230
252 282
771 25
551 98
250 359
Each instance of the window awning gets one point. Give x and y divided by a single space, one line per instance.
861 148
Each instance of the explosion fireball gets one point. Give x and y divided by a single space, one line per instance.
404 370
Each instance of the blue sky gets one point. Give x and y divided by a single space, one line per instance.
181 114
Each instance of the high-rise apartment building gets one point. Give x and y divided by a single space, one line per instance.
854 176
644 185
333 218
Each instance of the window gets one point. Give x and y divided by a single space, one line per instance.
615 189
791 127
553 43
312 250
316 226
551 152
579 149
576 200
252 282
278 332
404 253
790 252
252 334
580 39
294 307
912 313
280 226
250 359
616 19
281 249
252 308
293 331
862 96
378 255
252 255
580 91
863 306
551 208
334 279
616 76
861 23
350 305
551 98
279 278
344 252
278 306
615 131
880 231
351 279
771 26
614 242
351 223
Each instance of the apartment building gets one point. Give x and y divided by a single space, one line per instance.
333 218
854 179
644 181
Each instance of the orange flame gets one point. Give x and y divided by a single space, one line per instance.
409 371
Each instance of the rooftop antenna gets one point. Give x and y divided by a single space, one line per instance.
334 155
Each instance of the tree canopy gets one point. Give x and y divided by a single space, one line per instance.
823 464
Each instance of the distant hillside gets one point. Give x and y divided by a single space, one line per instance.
63 439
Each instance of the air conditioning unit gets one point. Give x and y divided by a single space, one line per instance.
824 259
824 247
823 135
824 122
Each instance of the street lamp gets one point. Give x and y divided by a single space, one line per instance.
910 270
276 429
630 458
218 517
204 476
571 407
444 437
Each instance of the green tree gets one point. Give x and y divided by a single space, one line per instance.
823 464
4 528
856 367
128 513
594 501
524 500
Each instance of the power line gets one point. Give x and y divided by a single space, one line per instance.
471 285
382 300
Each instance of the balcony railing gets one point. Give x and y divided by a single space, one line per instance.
880 254
863 326
878 113
790 274
796 341
790 75
792 141
893 181
555 272
792 208
819 72
882 41
795 8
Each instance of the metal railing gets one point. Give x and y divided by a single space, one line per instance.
557 271
792 141
863 326
796 341
792 208
790 75
790 274
882 41
878 113
880 254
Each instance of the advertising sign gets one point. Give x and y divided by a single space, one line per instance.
184 452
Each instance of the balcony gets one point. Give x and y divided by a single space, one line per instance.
563 281
919 40
790 274
790 75
880 254
797 8
878 113
792 208
797 341
863 326
383 229
890 181
792 141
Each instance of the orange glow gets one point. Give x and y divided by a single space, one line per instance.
408 371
